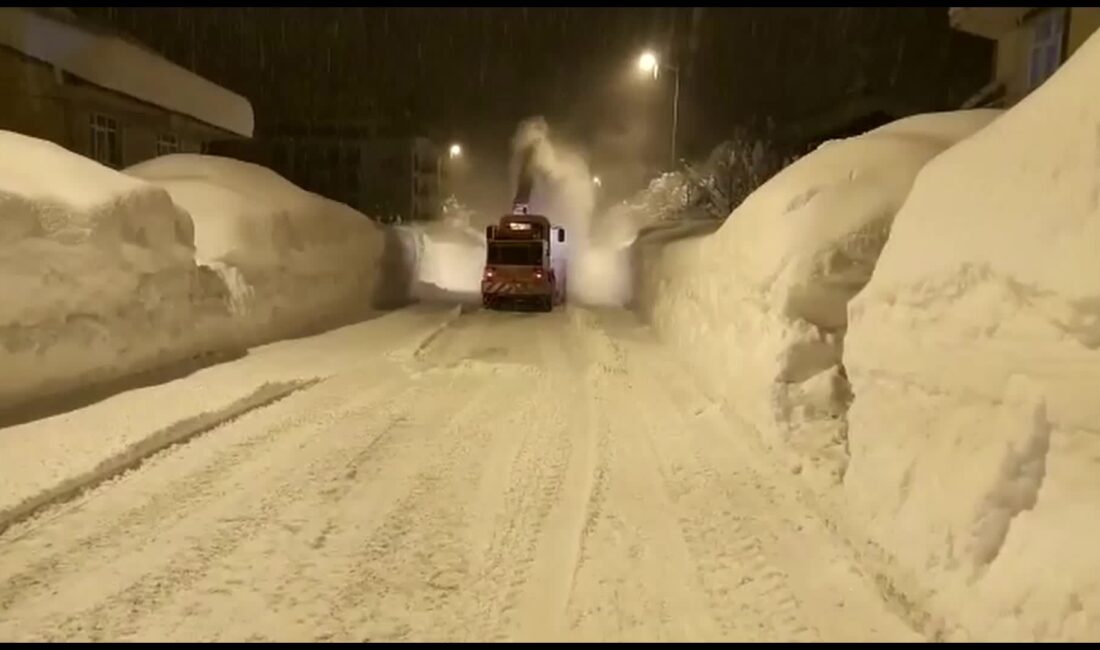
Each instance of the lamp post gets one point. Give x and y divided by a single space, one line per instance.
454 152
650 64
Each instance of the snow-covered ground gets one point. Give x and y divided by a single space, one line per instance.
293 260
973 354
759 307
914 311
49 459
99 278
511 477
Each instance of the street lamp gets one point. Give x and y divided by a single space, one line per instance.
443 178
596 181
649 63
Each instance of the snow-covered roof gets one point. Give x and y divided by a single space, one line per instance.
113 63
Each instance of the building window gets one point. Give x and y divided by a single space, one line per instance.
1046 46
167 143
105 146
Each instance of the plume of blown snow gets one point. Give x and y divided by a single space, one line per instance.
599 272
449 254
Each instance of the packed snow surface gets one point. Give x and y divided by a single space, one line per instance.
974 354
49 459
98 274
113 63
291 258
760 305
550 477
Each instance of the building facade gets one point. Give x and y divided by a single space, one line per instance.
103 97
1032 43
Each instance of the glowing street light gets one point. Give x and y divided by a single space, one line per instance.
648 63
456 150
596 181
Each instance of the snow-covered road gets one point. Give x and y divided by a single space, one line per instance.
514 477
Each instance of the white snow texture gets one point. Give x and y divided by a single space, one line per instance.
973 353
292 259
449 257
104 276
759 307
956 295
98 274
913 314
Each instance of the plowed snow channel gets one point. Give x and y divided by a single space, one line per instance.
515 477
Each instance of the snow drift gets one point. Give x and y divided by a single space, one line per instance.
974 353
98 274
759 307
294 261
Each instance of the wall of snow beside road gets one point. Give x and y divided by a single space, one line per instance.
99 279
760 306
293 261
449 257
974 353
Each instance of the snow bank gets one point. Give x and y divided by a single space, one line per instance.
110 62
974 354
759 307
98 274
293 260
450 258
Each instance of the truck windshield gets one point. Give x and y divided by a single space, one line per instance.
518 254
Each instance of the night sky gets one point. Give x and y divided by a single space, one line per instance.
472 74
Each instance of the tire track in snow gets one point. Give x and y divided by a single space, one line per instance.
427 519
569 501
256 447
792 563
208 536
136 454
188 488
356 504
432 532
717 526
627 577
637 579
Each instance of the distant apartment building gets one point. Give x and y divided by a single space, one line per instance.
386 178
105 97
1032 43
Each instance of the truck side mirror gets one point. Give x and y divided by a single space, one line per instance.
561 235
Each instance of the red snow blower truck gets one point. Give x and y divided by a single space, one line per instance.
524 256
